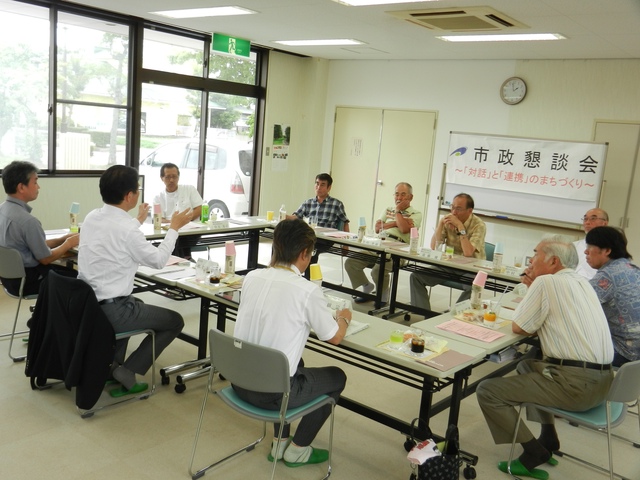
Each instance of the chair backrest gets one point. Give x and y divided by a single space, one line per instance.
626 384
11 265
247 365
489 248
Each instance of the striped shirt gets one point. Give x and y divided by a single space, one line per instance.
564 310
329 214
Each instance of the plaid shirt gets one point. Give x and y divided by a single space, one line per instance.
328 214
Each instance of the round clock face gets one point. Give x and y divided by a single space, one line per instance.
513 90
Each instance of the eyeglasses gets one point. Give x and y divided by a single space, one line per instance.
401 194
171 177
458 209
314 252
592 219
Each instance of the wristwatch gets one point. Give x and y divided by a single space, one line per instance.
462 232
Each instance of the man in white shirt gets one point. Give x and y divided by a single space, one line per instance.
278 310
596 217
563 310
112 246
176 198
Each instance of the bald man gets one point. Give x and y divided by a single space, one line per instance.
596 217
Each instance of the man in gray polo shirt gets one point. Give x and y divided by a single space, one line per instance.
22 231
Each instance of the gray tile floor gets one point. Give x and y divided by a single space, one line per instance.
44 437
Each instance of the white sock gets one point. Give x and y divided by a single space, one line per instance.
296 454
368 288
284 443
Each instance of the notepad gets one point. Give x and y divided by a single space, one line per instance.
355 327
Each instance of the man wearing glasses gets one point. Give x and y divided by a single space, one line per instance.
596 217
397 222
176 198
463 231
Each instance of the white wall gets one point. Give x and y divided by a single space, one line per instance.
296 96
57 194
563 101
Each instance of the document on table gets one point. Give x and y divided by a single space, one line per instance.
355 327
340 234
471 331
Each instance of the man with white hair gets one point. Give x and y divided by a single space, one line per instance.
563 310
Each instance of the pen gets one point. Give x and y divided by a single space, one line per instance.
523 274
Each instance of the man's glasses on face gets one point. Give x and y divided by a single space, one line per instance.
400 194
592 218
172 177
458 209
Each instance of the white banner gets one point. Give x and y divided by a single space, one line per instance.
569 170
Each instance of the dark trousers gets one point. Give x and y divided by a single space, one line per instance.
306 384
34 277
131 313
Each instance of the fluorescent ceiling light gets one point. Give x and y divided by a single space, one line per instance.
205 12
516 37
361 3
330 41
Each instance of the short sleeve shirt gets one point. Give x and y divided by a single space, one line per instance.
389 215
476 231
564 310
22 231
186 196
617 284
329 214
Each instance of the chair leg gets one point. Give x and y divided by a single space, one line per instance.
513 443
14 333
142 396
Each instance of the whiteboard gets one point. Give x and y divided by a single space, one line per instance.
495 193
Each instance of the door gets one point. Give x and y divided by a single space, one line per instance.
405 156
374 149
619 168
354 165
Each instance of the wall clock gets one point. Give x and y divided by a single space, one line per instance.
513 90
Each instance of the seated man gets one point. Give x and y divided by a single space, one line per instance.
278 310
22 231
176 198
575 374
596 217
111 249
397 221
462 230
323 211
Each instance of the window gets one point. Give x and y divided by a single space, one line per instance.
172 53
24 89
92 72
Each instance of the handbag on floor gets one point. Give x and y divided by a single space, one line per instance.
441 467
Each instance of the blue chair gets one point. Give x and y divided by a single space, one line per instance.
11 267
260 369
604 417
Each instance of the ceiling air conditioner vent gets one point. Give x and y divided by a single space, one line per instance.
471 19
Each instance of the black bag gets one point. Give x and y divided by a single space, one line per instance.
445 467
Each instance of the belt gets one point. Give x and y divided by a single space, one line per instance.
578 363
395 238
107 301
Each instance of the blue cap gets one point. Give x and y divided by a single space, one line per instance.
75 208
362 222
499 248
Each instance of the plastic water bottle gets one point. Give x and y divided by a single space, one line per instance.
476 290
204 213
414 241
283 213
157 216
497 258
362 228
73 217
230 257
